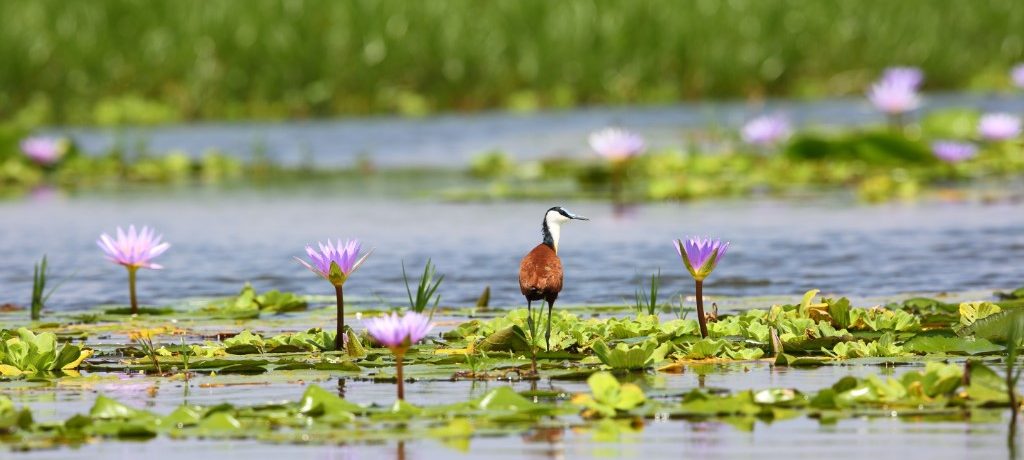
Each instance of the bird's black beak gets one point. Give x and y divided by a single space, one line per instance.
575 217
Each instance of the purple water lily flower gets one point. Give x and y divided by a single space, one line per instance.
701 255
616 143
1017 75
999 126
344 256
398 333
953 151
902 75
335 263
894 96
394 331
44 151
766 130
134 250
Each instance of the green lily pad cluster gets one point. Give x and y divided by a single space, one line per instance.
249 304
23 352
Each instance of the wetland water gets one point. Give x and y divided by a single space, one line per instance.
224 237
221 240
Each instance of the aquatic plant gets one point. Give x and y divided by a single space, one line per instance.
1017 75
144 338
617 146
24 352
608 397
896 93
701 255
44 151
766 130
398 333
999 126
648 300
133 250
954 151
424 290
625 357
38 286
335 263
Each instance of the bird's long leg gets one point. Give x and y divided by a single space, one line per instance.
547 333
529 317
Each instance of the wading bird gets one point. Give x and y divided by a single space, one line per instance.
540 272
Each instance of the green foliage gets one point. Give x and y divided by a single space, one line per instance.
873 148
647 301
38 287
25 353
636 357
343 58
608 397
425 290
249 304
885 347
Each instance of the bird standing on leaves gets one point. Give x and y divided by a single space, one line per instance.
540 272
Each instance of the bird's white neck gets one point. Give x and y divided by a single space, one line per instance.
552 229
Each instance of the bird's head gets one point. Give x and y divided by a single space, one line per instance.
553 220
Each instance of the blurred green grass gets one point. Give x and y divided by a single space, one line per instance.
145 61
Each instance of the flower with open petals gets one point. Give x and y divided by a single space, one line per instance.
335 262
399 332
133 249
908 76
999 126
44 151
701 255
1017 75
765 130
953 151
894 96
616 143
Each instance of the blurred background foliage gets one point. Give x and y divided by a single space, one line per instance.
141 61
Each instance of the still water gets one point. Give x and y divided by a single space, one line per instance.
220 240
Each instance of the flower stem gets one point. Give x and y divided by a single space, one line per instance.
398 370
700 309
339 338
131 290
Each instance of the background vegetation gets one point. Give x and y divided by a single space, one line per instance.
142 61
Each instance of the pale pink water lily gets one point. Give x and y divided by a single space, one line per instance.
766 130
953 151
616 143
394 331
904 75
133 249
894 97
44 151
999 126
398 333
1017 75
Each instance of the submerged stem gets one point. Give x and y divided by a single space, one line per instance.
131 289
700 309
339 338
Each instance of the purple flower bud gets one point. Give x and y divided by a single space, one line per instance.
894 96
1017 75
906 76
